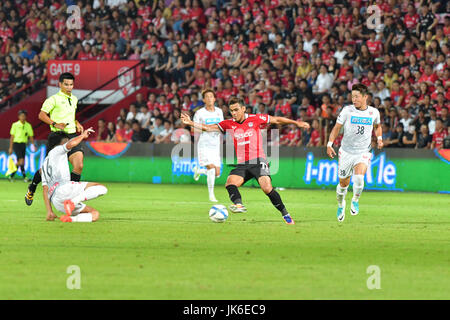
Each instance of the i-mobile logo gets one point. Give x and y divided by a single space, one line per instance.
361 120
243 135
381 174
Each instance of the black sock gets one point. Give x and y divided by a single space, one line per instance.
277 202
75 177
234 194
36 180
22 168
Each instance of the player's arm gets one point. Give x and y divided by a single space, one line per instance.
379 134
285 121
333 135
200 126
50 214
77 140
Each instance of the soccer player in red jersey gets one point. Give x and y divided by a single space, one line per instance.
245 129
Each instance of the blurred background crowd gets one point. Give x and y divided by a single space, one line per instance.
292 58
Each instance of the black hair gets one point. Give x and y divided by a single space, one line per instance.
55 138
66 76
22 111
361 88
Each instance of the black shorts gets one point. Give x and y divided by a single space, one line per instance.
19 149
250 171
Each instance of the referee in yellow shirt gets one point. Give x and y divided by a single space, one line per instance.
21 131
58 111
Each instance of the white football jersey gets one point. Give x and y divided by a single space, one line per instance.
55 168
358 126
209 139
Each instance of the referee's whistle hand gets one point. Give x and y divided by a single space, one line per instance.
60 126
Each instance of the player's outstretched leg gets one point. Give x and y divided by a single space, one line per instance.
275 198
32 188
358 186
340 196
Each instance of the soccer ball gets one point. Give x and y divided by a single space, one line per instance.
218 213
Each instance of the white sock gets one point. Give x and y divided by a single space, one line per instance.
358 186
210 178
340 194
202 171
90 193
82 217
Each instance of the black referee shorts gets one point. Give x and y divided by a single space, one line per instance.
19 149
249 171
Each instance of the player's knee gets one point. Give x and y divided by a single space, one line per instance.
95 215
103 190
78 166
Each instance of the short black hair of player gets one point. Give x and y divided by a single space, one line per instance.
361 88
66 75
55 138
234 100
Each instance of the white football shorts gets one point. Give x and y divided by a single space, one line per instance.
209 156
348 161
68 191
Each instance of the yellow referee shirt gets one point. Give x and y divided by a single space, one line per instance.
61 109
21 132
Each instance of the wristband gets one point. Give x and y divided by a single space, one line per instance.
330 144
380 138
53 123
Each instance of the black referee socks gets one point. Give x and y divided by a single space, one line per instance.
277 202
36 180
75 177
235 195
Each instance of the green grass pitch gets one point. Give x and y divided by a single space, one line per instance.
157 242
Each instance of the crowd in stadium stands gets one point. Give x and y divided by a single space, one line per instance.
293 58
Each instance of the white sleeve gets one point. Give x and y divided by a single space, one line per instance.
377 117
342 116
197 117
60 149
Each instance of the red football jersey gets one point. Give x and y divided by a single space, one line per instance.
247 136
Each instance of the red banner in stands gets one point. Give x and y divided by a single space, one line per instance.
90 75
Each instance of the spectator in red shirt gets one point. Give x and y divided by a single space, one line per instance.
439 135
375 46
315 139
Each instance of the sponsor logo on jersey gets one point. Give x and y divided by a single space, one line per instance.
212 120
247 134
361 120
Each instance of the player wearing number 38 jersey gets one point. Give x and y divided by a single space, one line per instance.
358 121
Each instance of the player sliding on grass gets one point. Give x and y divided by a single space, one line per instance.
66 195
354 154
246 132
